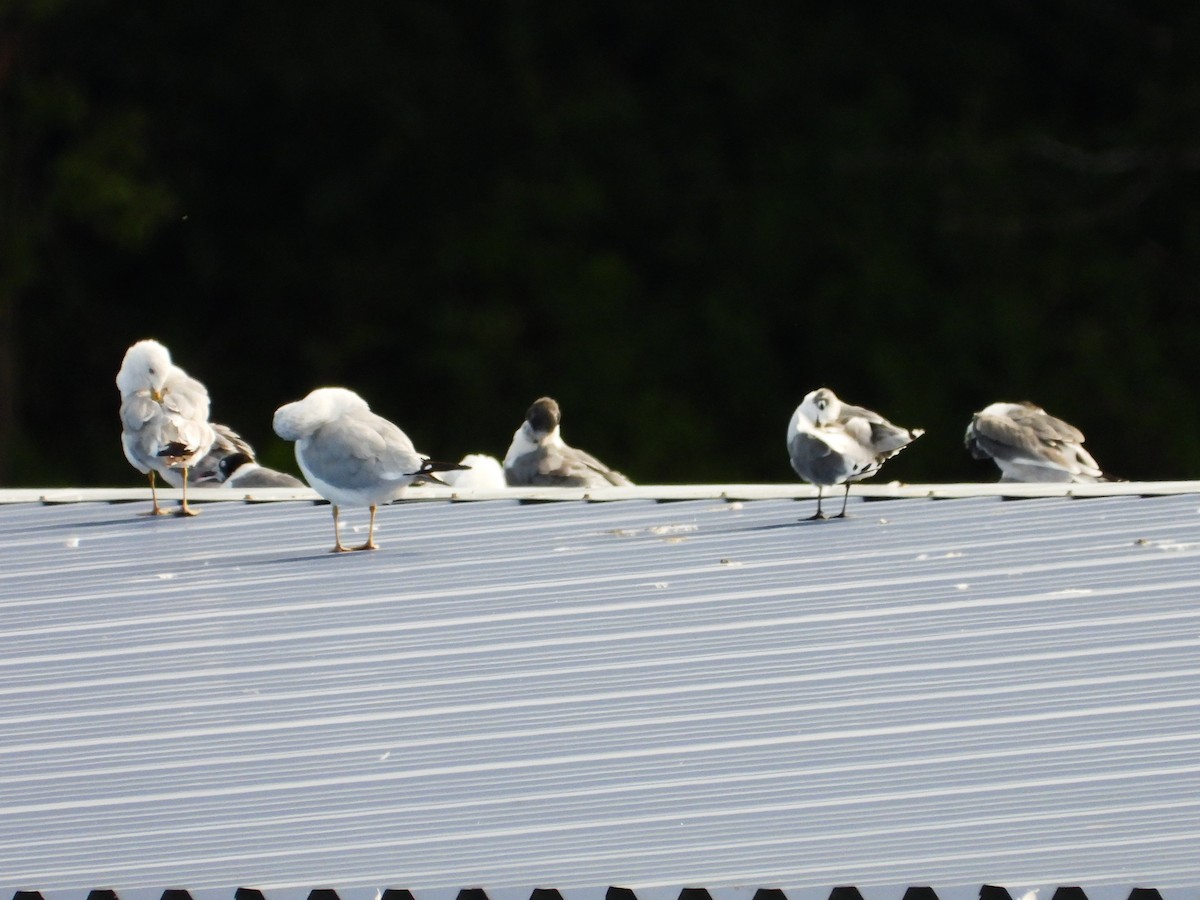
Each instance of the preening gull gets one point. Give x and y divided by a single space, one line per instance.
831 442
539 457
1029 444
349 455
164 418
237 470
481 472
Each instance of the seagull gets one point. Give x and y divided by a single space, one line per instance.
349 455
238 470
538 456
480 472
226 442
164 418
1029 444
831 442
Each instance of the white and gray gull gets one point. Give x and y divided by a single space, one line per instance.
1029 444
164 418
480 472
539 457
239 470
226 442
349 455
830 442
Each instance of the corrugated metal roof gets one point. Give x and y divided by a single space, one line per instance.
576 695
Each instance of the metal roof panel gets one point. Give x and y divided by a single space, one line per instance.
574 695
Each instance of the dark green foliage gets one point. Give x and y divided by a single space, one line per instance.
675 218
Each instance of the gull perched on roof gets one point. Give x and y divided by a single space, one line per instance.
226 442
349 455
480 472
831 442
539 457
1029 444
164 418
238 470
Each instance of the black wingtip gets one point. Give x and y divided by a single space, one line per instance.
429 467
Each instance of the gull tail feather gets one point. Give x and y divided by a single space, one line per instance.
175 450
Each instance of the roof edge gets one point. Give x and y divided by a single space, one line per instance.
663 492
1067 889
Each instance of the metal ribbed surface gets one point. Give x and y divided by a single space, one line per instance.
577 695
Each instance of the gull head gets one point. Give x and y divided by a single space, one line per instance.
821 406
145 368
543 419
301 418
230 464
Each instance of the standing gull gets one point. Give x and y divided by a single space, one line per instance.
831 442
164 418
349 455
539 457
1029 444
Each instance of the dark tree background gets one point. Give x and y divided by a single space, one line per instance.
677 218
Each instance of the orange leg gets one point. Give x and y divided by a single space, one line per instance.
157 510
337 537
370 544
184 509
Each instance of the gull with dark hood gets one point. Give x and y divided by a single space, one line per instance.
237 470
539 457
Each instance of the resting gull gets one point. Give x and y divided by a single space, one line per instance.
539 457
226 442
237 470
164 418
349 455
480 472
831 442
1029 444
